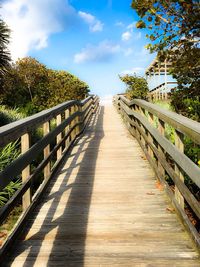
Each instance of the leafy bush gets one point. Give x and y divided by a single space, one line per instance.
9 191
8 115
186 104
136 86
32 87
7 155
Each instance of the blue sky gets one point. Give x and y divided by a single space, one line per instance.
95 40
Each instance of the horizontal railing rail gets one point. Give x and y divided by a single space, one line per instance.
59 126
147 122
162 85
162 91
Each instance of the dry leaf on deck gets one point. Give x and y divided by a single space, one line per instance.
150 193
170 209
159 186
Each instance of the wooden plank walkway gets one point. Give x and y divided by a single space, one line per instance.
104 209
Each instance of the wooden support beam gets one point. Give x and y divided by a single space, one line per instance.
180 145
73 134
79 108
142 112
47 169
77 120
25 145
150 138
161 129
59 136
67 114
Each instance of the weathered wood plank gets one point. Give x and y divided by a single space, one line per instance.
104 209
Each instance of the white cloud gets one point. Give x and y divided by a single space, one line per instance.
128 52
126 36
119 24
136 70
31 23
102 52
130 33
88 18
138 36
131 26
95 25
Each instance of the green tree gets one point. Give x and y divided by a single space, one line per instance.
136 86
25 85
4 53
174 34
64 86
32 87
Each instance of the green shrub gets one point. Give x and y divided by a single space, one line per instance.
9 191
136 86
8 115
33 87
186 104
7 155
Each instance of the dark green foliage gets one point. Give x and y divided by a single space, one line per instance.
187 104
136 86
32 87
7 155
9 115
64 86
4 53
174 34
23 84
192 150
9 191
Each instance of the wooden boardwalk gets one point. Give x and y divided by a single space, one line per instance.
104 209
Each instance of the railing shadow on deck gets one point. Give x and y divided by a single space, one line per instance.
72 224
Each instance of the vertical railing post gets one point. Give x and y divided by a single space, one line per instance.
150 138
77 120
59 136
67 115
133 119
47 168
161 129
136 108
180 145
142 112
25 145
73 123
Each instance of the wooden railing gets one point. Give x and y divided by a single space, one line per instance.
60 126
148 122
162 91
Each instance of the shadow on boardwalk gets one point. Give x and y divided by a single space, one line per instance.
65 221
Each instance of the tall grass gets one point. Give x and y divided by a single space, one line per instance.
8 115
9 153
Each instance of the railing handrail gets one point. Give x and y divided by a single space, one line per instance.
165 156
71 119
15 129
182 124
162 84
